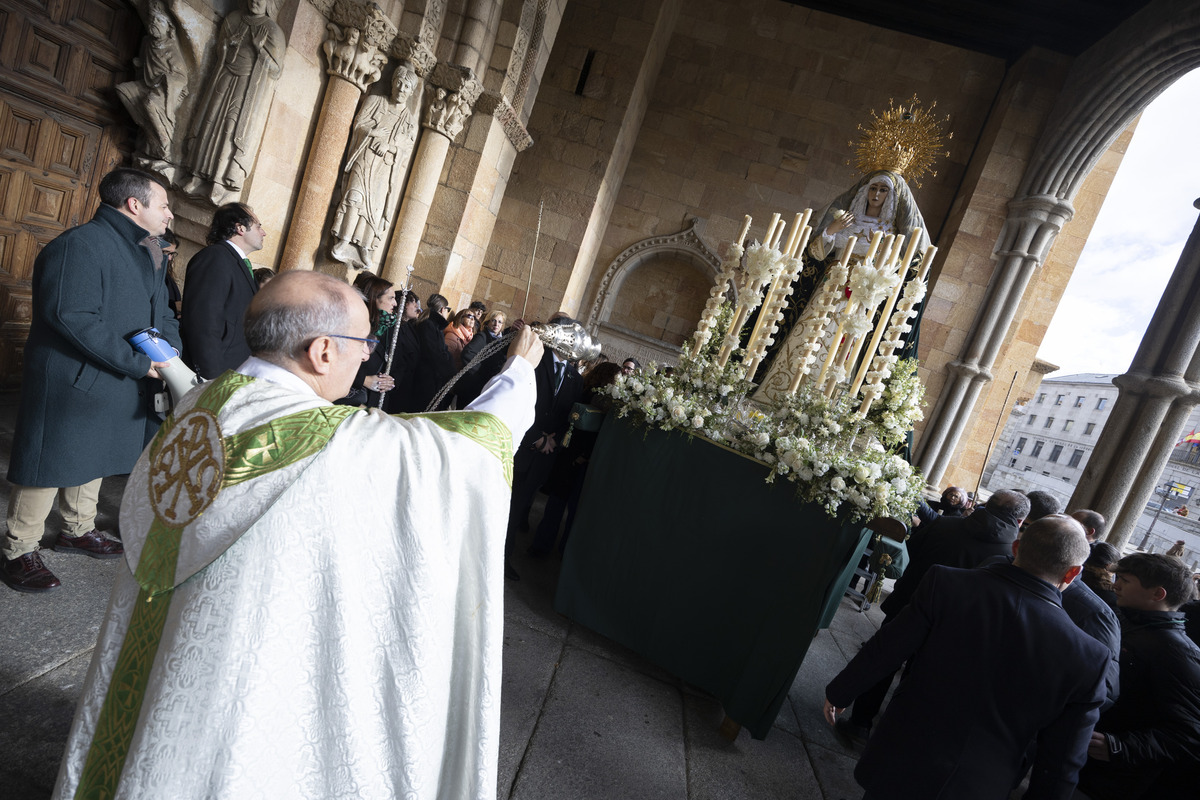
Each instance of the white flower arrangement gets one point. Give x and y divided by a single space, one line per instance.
834 456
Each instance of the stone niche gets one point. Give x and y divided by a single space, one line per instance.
652 295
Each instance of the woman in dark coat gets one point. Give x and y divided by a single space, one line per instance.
372 377
431 363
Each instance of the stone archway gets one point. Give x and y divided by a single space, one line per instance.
1107 87
655 340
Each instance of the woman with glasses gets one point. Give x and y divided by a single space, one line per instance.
471 384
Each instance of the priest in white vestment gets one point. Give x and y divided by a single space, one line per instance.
313 601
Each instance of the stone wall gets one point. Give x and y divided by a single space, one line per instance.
662 300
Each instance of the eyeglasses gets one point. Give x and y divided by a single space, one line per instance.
370 342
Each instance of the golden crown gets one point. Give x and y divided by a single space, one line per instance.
904 140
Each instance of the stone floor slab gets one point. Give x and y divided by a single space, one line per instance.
607 732
746 768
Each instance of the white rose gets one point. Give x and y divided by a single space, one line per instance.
837 484
668 393
678 412
638 388
697 421
862 473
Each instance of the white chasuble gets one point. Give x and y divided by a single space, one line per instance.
312 608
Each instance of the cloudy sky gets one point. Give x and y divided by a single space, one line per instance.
1135 242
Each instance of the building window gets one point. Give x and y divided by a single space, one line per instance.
1037 449
1027 469
1041 398
1076 457
1055 452
1101 403
1079 401
1049 422
1020 446
1087 431
1067 425
1058 400
1012 462
1032 419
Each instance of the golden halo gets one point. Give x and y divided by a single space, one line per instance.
905 140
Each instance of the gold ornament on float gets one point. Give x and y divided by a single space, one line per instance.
905 140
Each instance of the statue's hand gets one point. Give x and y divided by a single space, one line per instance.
840 224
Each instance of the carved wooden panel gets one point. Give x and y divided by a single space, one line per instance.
99 81
19 131
107 22
61 129
44 55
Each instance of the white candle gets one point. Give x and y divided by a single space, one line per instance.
741 237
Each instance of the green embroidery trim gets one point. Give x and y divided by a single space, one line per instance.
481 427
284 441
248 455
123 703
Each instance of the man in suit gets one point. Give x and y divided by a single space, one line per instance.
559 386
218 287
994 665
964 542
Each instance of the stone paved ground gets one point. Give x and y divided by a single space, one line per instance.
582 717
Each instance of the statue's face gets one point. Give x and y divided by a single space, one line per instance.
259 7
160 25
403 83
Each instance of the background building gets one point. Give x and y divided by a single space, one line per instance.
1048 440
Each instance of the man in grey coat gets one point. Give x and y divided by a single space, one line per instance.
85 408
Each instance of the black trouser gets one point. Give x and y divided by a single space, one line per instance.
867 704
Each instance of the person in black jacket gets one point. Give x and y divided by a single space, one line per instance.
431 363
1148 744
372 378
218 287
994 664
964 542
559 386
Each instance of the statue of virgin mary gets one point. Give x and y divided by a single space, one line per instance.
879 201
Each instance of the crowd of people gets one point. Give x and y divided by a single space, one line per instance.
1033 655
1031 649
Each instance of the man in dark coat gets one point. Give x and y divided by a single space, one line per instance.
559 386
994 665
964 542
217 289
1148 744
86 408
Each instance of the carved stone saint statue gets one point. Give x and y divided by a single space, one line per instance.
380 150
227 124
153 100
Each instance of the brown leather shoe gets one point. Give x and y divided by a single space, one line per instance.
91 544
27 573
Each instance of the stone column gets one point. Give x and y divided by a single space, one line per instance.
449 96
1156 397
355 62
1032 224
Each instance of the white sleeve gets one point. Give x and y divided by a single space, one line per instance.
511 396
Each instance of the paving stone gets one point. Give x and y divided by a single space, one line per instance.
607 731
746 768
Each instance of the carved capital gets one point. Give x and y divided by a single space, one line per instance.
497 105
415 52
351 57
373 25
457 80
445 112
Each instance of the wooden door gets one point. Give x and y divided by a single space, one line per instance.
61 129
